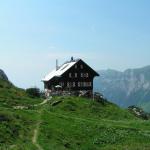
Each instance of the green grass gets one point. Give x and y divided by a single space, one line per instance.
16 126
16 129
73 123
61 132
12 96
83 107
76 124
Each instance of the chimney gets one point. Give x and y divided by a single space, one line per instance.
57 65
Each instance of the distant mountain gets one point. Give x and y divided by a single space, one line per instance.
131 87
3 75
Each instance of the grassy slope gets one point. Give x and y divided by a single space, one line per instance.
16 129
16 126
75 123
78 123
13 96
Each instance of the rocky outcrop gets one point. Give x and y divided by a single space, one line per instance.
139 112
3 75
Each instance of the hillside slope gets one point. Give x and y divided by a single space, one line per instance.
79 123
16 126
12 96
131 87
70 123
67 123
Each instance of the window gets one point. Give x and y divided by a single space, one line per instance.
87 75
79 84
76 75
76 66
81 66
89 84
70 75
61 84
84 84
74 84
68 85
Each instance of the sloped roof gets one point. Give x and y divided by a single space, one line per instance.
62 69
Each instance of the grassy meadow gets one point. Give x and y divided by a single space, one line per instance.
67 123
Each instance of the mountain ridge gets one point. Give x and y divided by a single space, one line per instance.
129 87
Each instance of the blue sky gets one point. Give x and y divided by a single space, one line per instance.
105 33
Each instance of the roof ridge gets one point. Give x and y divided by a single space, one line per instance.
66 62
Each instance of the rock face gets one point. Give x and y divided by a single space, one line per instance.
139 112
131 87
3 75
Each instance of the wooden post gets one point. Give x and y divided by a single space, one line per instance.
93 95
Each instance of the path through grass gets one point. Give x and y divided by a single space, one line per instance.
36 133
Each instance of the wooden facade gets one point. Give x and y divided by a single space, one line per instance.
79 77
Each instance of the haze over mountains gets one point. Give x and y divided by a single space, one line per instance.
131 87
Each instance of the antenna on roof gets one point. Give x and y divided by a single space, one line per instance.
57 65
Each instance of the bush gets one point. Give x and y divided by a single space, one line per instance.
33 92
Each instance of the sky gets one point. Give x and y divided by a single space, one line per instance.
112 34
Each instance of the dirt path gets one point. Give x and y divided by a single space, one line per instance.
44 102
36 105
36 130
35 134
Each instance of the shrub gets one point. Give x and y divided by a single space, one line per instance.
33 92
